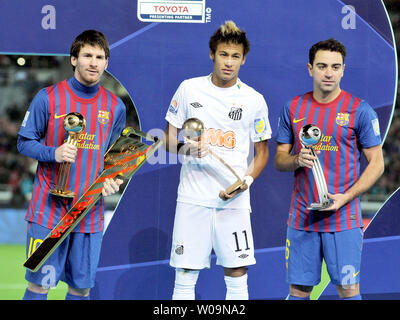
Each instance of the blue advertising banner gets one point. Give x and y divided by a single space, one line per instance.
155 45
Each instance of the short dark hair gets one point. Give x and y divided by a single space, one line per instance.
328 45
229 33
90 37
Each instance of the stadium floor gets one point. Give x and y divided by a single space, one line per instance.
13 283
12 275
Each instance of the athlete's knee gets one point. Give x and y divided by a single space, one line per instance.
36 288
84 292
347 291
235 272
301 291
184 276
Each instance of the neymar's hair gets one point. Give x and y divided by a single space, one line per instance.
229 33
327 45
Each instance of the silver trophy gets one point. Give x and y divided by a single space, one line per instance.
193 129
310 135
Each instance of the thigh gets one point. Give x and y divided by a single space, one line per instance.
191 237
303 257
51 271
342 254
233 238
83 259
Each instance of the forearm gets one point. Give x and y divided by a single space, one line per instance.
371 173
171 143
259 161
255 168
286 162
367 179
34 149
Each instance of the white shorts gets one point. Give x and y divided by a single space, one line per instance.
198 230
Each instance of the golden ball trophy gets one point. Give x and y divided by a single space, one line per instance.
74 123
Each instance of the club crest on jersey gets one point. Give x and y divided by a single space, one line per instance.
342 119
235 113
179 249
173 107
103 116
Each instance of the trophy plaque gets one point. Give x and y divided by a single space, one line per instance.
122 160
310 136
74 123
192 129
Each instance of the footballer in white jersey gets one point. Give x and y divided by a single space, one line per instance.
235 118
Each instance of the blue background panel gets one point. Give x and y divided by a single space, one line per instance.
151 59
381 258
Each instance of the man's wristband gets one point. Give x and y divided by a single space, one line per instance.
248 180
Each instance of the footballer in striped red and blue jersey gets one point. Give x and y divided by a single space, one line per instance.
105 116
347 125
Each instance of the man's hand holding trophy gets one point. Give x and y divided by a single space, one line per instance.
193 130
310 135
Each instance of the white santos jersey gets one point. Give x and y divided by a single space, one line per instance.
234 118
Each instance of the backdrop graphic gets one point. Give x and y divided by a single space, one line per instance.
150 58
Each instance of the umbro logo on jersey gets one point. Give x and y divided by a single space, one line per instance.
235 113
196 105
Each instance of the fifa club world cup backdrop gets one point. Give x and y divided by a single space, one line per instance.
157 44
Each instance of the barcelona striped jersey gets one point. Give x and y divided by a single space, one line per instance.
105 116
348 124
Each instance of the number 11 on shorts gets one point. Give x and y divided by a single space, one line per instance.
237 241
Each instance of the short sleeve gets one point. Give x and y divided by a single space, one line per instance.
176 113
260 126
367 126
285 133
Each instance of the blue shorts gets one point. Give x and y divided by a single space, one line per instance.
340 250
75 261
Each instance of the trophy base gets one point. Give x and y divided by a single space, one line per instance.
234 187
63 194
319 206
